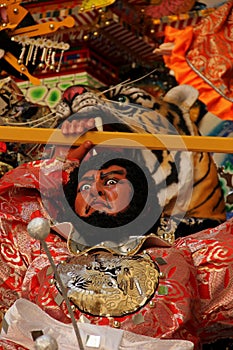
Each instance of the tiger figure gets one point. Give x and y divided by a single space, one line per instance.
187 183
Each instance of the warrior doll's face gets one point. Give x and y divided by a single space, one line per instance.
106 191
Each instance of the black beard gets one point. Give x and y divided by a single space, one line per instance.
101 219
100 227
104 227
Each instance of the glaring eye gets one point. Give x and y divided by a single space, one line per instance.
111 182
122 99
84 187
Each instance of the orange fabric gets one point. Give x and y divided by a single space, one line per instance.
182 39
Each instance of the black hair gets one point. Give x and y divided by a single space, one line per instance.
134 174
144 198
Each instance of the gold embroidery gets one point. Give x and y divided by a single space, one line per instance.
109 285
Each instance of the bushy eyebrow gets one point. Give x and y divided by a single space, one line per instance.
87 178
119 172
102 175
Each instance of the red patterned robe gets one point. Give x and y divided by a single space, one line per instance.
194 298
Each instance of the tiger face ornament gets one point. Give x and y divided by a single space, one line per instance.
187 182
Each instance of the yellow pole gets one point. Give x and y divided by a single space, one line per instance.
155 141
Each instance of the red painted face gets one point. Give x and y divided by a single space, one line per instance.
106 190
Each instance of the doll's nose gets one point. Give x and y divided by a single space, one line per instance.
97 189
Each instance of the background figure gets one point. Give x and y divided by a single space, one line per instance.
201 56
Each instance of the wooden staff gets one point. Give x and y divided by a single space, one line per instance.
116 139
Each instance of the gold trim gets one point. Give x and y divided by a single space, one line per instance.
128 248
